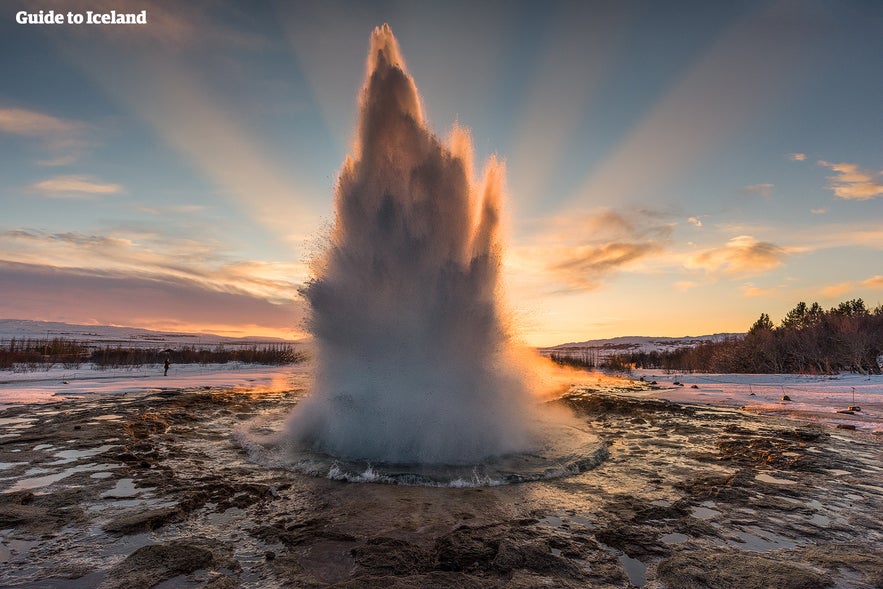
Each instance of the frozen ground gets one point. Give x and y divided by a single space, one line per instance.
141 490
58 384
813 398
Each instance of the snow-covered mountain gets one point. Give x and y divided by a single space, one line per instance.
627 344
113 335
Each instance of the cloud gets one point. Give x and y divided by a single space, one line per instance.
749 290
797 157
835 291
156 252
874 282
29 123
64 138
79 295
852 183
583 266
740 255
765 189
695 221
75 186
579 252
821 211
685 285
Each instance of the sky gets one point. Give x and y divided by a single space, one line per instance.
672 168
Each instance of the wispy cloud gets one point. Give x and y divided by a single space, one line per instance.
64 138
797 157
155 253
580 252
695 221
125 298
820 211
750 290
853 183
75 186
685 285
838 290
742 255
835 291
20 121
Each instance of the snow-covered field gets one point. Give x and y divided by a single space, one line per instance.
813 398
58 384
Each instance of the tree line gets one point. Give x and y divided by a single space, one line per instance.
28 354
809 340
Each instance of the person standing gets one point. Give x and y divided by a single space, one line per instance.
167 364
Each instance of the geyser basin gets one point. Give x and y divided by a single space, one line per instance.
563 448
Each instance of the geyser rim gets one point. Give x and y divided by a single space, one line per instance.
555 460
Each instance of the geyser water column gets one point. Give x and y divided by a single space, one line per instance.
413 352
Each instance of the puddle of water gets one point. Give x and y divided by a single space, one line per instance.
108 417
37 470
765 478
224 518
674 538
7 465
43 447
118 504
635 569
44 481
761 541
68 456
15 420
12 550
101 475
704 512
124 489
820 520
552 521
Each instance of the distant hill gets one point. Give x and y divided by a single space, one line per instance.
113 335
601 348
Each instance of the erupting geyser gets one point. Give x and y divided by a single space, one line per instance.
416 380
413 352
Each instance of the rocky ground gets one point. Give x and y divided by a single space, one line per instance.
147 491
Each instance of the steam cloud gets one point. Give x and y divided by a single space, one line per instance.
414 356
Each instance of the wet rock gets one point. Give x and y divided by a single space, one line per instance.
39 514
142 521
298 533
433 580
466 548
392 556
847 426
767 451
805 434
735 569
864 559
634 541
221 582
153 564
717 486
